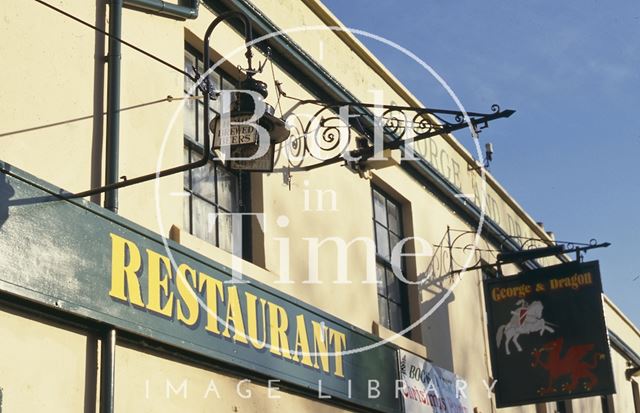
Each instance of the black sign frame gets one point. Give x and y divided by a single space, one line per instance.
567 343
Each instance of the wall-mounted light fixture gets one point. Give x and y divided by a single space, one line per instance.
232 129
488 158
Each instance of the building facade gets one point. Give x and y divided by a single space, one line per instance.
222 290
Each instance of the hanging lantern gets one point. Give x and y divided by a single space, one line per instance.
244 139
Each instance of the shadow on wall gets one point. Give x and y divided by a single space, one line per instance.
6 193
437 330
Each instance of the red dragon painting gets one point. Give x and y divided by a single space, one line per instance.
568 370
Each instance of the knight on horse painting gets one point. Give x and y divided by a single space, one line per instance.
525 319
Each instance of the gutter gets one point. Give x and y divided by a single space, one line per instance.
335 91
328 18
185 9
325 86
627 352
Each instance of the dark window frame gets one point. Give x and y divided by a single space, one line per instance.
607 404
635 388
193 144
384 262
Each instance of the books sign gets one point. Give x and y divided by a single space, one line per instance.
427 388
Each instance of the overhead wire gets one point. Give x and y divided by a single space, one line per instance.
169 98
116 38
134 47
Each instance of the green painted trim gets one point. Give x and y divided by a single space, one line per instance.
144 232
77 279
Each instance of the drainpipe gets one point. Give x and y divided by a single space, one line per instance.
108 372
185 9
113 103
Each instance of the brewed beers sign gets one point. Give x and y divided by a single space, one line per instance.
547 335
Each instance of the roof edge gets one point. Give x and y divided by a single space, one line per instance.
378 67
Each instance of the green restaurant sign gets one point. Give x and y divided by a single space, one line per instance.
84 260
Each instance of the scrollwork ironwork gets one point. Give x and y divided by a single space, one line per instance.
334 125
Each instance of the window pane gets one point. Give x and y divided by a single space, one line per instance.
200 122
203 180
393 286
383 311
382 241
189 62
395 317
204 220
186 214
212 115
185 174
214 79
379 210
227 190
200 67
214 102
382 280
394 217
189 111
394 240
228 85
225 232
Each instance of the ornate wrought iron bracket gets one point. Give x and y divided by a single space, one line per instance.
332 127
329 134
443 263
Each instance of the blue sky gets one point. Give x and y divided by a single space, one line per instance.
571 70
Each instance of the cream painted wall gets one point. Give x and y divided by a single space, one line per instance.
51 78
149 383
44 367
47 77
587 404
623 399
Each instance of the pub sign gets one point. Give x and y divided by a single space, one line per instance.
547 335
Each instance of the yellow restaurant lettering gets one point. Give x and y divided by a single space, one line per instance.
250 320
